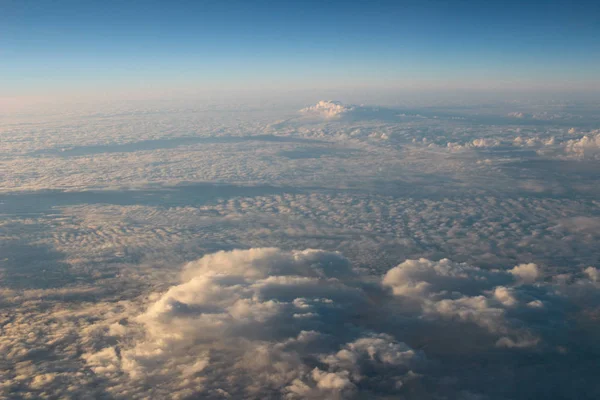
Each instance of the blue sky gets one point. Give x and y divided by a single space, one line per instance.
50 47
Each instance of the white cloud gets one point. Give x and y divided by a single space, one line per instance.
593 274
304 325
231 329
236 317
327 109
419 278
526 273
518 114
505 296
587 147
476 309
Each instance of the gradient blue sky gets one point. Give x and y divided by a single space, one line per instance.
49 47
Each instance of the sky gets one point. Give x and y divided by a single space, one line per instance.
51 48
379 200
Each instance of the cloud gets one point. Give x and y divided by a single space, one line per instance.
544 115
270 323
593 274
515 319
233 325
518 114
303 324
458 291
587 147
327 109
526 273
418 278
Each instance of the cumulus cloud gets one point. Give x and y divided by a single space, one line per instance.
233 326
593 274
417 278
587 147
544 115
518 114
327 109
270 323
458 291
526 273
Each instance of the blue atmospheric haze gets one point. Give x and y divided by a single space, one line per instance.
55 45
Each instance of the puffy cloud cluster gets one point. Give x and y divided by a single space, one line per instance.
587 147
43 333
544 115
479 143
259 323
542 145
327 109
269 323
460 292
517 114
